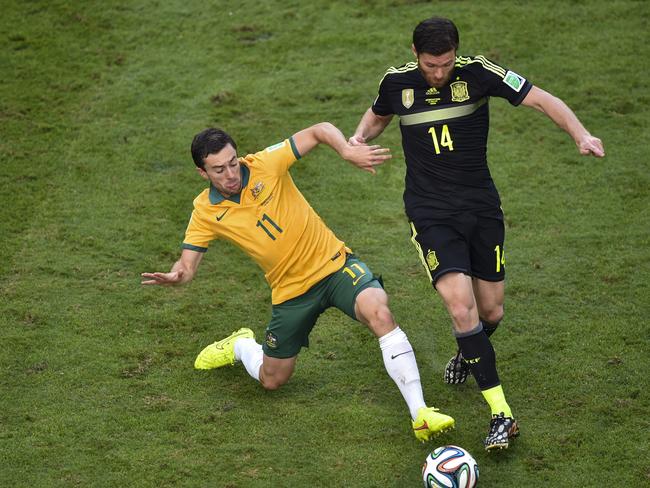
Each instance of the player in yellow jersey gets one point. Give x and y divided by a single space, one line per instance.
254 203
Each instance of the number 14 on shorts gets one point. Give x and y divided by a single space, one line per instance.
501 258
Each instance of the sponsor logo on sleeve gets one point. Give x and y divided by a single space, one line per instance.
514 81
275 146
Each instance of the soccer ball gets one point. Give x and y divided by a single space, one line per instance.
450 467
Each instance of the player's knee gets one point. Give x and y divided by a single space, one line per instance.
274 378
272 383
383 316
460 313
380 320
494 315
372 308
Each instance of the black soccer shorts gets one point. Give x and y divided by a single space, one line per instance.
469 243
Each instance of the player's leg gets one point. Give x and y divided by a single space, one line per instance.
271 363
489 300
443 250
286 334
275 372
488 269
241 346
360 295
457 292
371 309
475 347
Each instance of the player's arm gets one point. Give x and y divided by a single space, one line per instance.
564 117
370 126
182 271
364 157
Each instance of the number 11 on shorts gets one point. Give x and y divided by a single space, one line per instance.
501 257
355 271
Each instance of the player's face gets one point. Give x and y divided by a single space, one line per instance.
223 171
436 69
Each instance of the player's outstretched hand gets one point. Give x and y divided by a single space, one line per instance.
366 157
590 145
170 278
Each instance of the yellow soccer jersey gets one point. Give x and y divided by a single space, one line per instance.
272 222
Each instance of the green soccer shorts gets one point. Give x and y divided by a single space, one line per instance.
292 321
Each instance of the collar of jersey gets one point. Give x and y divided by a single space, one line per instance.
217 198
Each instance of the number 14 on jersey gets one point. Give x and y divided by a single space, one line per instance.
443 139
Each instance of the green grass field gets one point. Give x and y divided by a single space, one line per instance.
99 101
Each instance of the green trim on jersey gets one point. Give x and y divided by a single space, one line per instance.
194 248
216 197
294 148
436 115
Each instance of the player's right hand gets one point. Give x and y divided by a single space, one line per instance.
366 157
357 141
590 145
170 278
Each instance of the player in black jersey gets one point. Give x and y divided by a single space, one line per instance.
450 198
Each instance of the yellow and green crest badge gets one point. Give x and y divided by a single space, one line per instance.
459 91
432 260
257 189
407 97
271 340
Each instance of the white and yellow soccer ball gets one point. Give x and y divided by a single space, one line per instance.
449 467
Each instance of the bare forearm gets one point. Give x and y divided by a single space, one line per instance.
563 116
326 133
371 125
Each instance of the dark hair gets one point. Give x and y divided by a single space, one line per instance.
209 141
435 36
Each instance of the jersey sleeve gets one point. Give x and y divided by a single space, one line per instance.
197 235
278 158
381 105
502 82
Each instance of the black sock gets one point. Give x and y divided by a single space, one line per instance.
479 354
490 327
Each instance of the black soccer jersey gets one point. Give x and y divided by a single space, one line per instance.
445 131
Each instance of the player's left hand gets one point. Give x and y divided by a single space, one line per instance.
590 145
366 157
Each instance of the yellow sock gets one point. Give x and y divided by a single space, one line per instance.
497 401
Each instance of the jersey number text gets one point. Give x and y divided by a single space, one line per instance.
444 140
260 223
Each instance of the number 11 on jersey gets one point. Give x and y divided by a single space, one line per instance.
260 223
445 138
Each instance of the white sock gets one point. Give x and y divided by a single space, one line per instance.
399 360
250 353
